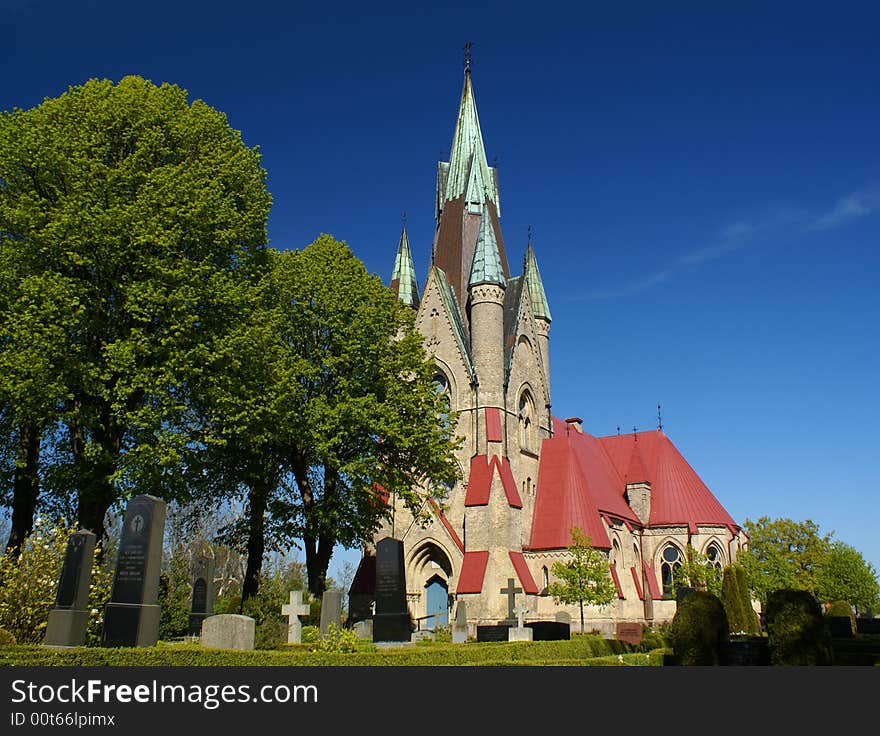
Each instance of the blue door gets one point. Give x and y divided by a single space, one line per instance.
437 597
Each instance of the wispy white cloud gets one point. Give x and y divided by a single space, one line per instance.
744 232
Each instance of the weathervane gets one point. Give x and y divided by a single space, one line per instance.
659 420
530 234
403 217
467 57
635 435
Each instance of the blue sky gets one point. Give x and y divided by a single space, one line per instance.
702 180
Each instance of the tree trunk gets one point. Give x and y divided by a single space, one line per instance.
582 616
319 550
256 544
25 486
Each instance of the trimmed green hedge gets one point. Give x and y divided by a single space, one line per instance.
581 650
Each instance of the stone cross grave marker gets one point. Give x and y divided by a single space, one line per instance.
511 592
131 618
293 611
521 611
69 619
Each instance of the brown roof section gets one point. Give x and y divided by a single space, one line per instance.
454 244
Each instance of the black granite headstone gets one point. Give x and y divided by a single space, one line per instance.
391 621
549 630
868 626
69 619
751 651
131 618
493 632
202 596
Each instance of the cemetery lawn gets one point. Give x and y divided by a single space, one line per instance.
580 651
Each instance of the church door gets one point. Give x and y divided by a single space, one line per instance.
437 598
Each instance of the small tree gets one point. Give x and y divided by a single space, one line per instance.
585 578
737 601
698 573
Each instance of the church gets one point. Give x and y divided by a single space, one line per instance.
527 477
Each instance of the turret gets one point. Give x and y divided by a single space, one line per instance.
403 278
486 287
540 307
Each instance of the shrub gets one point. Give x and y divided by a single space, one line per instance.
311 634
840 608
737 600
795 629
338 639
6 639
270 633
698 629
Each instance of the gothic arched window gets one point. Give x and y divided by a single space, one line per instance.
526 422
713 557
615 553
441 388
670 561
545 577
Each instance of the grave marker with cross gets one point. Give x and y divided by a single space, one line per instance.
521 611
293 611
511 592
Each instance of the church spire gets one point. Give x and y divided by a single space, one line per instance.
537 295
403 278
486 267
467 171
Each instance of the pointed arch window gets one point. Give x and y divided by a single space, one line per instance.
713 557
442 390
527 422
545 578
670 561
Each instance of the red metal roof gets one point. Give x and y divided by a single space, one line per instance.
653 585
576 483
473 570
678 495
483 471
493 424
636 472
447 524
523 572
616 580
638 583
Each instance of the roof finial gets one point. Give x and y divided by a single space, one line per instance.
618 430
403 217
530 235
659 420
467 57
635 435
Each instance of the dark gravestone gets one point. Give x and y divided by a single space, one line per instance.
202 604
131 618
331 610
868 626
70 617
629 632
549 630
497 632
391 621
840 627
744 651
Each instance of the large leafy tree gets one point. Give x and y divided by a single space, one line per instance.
127 217
585 578
844 575
326 406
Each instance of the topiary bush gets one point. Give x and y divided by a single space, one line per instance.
796 630
699 627
737 600
839 608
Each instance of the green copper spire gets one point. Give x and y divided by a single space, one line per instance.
467 172
403 278
486 268
537 296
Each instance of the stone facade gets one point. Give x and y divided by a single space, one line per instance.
489 336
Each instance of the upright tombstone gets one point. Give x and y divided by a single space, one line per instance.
293 611
70 617
202 604
510 591
520 632
460 625
131 618
331 610
391 621
229 631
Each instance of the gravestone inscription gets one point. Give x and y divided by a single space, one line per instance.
69 618
131 618
391 621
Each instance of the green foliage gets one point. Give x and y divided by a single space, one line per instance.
338 639
696 572
6 638
784 554
585 578
29 582
736 597
128 218
795 629
311 634
175 596
100 588
845 575
699 627
840 608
